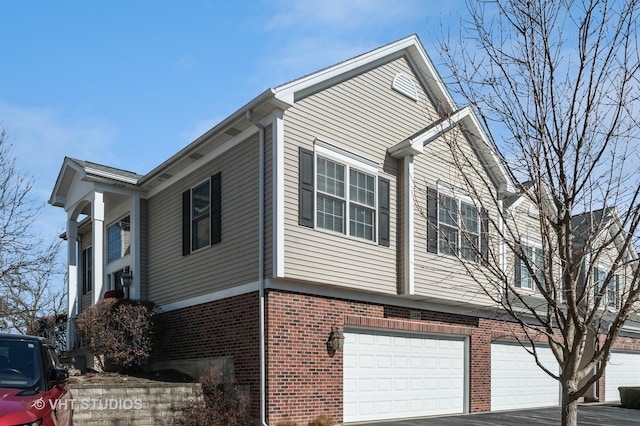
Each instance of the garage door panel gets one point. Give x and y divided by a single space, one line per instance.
518 382
426 376
623 369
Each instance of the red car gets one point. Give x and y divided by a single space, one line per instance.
33 386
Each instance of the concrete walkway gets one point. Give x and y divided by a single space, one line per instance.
588 415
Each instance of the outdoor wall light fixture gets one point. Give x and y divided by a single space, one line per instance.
335 341
126 278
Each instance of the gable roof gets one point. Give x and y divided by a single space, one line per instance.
587 225
90 172
408 47
286 95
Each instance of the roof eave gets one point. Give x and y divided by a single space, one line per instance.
268 96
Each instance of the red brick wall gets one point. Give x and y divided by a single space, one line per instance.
305 380
227 327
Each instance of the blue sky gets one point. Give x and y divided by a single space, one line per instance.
128 84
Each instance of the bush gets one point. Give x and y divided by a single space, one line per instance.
222 404
629 396
322 420
286 423
118 331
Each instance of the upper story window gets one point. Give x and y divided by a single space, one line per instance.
87 270
611 296
201 215
118 239
341 192
456 227
524 278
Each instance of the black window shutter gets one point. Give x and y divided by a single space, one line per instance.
518 269
484 234
216 208
306 175
384 212
432 220
186 222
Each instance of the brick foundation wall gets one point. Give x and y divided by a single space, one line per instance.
304 379
223 328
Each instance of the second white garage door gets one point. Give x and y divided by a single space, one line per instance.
390 376
518 382
623 369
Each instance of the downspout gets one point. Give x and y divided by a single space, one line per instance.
263 367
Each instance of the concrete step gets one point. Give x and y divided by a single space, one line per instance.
131 403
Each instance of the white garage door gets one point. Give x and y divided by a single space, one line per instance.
390 376
623 369
518 382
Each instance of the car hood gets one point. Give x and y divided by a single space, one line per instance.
20 406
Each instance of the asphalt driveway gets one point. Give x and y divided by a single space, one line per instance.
588 415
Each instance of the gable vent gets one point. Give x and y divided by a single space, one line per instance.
404 84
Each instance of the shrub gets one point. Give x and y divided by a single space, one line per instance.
322 420
286 423
629 396
52 327
118 330
222 404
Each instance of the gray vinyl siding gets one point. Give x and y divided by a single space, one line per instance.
232 262
364 116
441 276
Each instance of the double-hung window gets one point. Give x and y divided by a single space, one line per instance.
534 257
456 226
118 239
342 193
611 295
201 215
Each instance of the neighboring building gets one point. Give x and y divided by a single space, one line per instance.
312 209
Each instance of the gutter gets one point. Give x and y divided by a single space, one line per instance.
261 221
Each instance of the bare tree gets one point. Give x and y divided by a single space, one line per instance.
28 266
557 82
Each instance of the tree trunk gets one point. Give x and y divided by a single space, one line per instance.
569 405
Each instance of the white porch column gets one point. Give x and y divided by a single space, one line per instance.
72 291
98 242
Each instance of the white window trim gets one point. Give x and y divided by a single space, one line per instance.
604 267
460 195
324 150
123 256
533 243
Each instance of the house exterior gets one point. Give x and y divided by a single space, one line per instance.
311 210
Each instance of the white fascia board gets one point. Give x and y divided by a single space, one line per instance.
408 46
264 98
406 147
68 163
111 176
495 165
236 140
415 146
